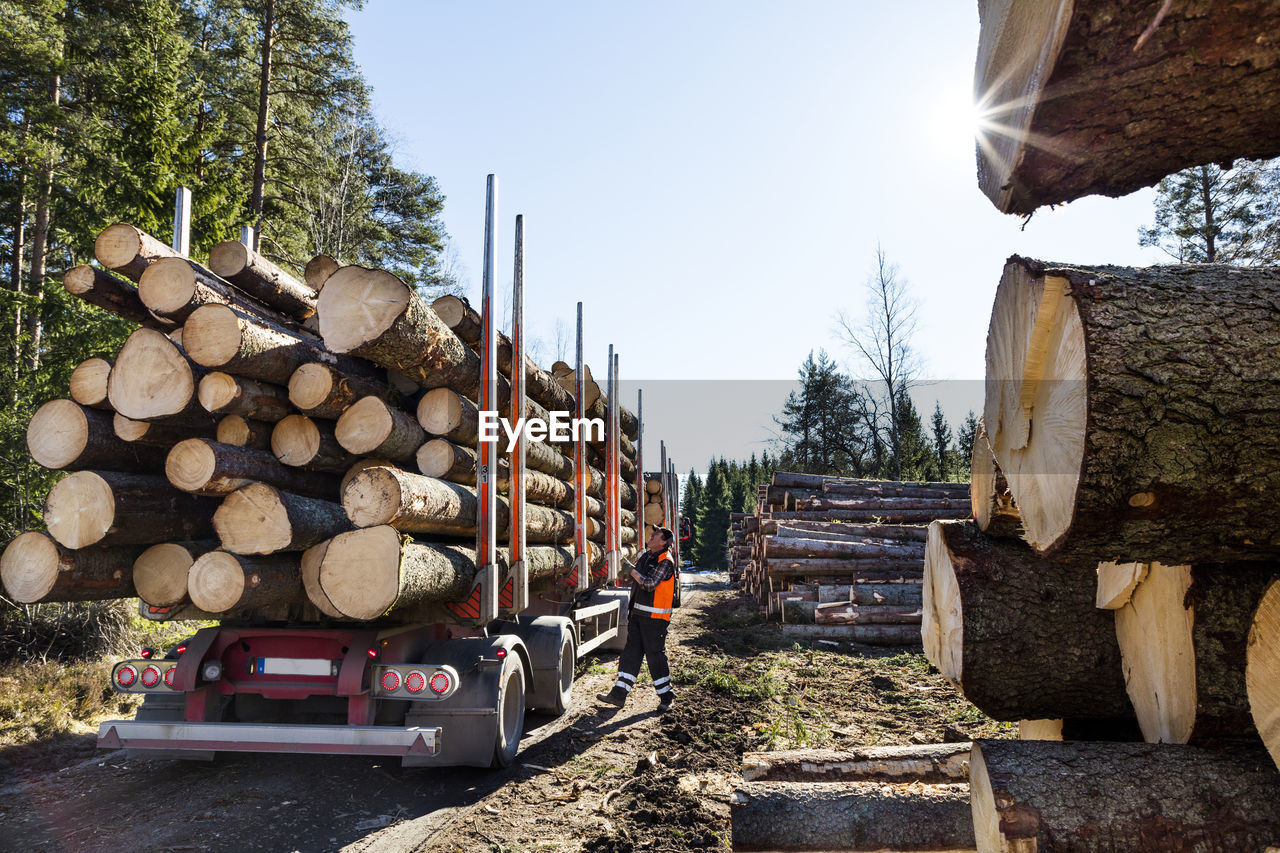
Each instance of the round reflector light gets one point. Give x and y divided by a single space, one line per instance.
169 674
126 675
439 683
150 676
415 681
390 680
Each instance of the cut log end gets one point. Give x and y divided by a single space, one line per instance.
160 573
253 520
229 258
295 440
365 426
437 457
190 465
211 335
216 582
359 574
89 382
168 285
310 385
118 245
358 304
129 430
217 391
151 377
372 497
80 509
441 411
942 628
1262 671
235 430
57 434
29 567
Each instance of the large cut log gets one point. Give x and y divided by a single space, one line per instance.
153 378
65 436
373 427
262 279
1091 97
871 635
318 270
891 489
867 614
220 337
376 571
224 394
994 509
842 549
261 519
105 291
302 442
1019 635
88 383
221 582
129 250
373 314
1182 633
856 571
111 508
160 572
210 468
851 816
1145 448
842 529
320 391
445 460
35 568
242 432
930 764
1262 672
173 288
873 516
886 505
413 503
1077 796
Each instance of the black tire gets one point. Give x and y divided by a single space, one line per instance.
565 673
510 723
678 593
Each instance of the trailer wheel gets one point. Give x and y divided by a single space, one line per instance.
510 712
565 675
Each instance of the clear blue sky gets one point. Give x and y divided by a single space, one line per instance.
719 174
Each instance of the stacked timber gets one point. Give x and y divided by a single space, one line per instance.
255 450
839 557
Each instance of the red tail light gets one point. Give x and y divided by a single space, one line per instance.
440 683
169 674
373 653
180 649
126 675
500 654
146 653
415 681
150 676
390 680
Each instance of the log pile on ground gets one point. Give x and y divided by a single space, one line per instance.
254 447
839 557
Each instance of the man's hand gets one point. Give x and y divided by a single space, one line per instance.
635 575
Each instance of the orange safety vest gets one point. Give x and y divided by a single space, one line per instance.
656 603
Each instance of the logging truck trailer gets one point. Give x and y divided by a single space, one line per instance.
451 689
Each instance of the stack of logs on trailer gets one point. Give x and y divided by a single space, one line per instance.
266 447
839 554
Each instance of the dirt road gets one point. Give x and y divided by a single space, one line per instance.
595 779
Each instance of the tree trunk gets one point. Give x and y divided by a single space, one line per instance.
129 250
373 427
866 516
994 509
209 468
832 549
445 460
110 508
218 337
260 519
887 505
242 432
41 227
173 289
88 385
930 764
224 394
871 635
262 280
257 191
35 569
63 436
1262 673
1085 797
1019 635
153 378
221 582
867 614
851 816
1182 633
109 293
889 489
161 435
160 572
320 391
1081 102
842 530
303 443
856 571
1144 449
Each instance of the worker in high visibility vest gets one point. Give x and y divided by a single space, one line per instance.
653 583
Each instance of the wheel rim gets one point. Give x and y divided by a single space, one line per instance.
512 711
566 667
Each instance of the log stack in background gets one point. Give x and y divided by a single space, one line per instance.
844 556
255 451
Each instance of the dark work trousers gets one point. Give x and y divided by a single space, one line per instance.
646 638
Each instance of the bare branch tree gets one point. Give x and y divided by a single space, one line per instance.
561 339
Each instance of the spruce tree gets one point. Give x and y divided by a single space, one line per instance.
1208 214
713 526
942 449
965 436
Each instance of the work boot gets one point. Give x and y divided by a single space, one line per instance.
666 700
616 696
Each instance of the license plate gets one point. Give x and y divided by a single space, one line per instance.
294 666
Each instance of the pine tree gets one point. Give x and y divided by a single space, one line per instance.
942 449
713 526
1208 214
914 452
965 436
691 508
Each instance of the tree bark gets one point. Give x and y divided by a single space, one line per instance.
373 427
162 434
111 508
261 519
257 191
1094 101
173 289
856 571
1018 634
129 250
224 394
263 280
88 385
221 582
1145 448
210 468
320 391
851 816
930 764
35 568
871 635
858 549
842 530
863 516
242 432
103 290
1085 797
887 505
64 436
